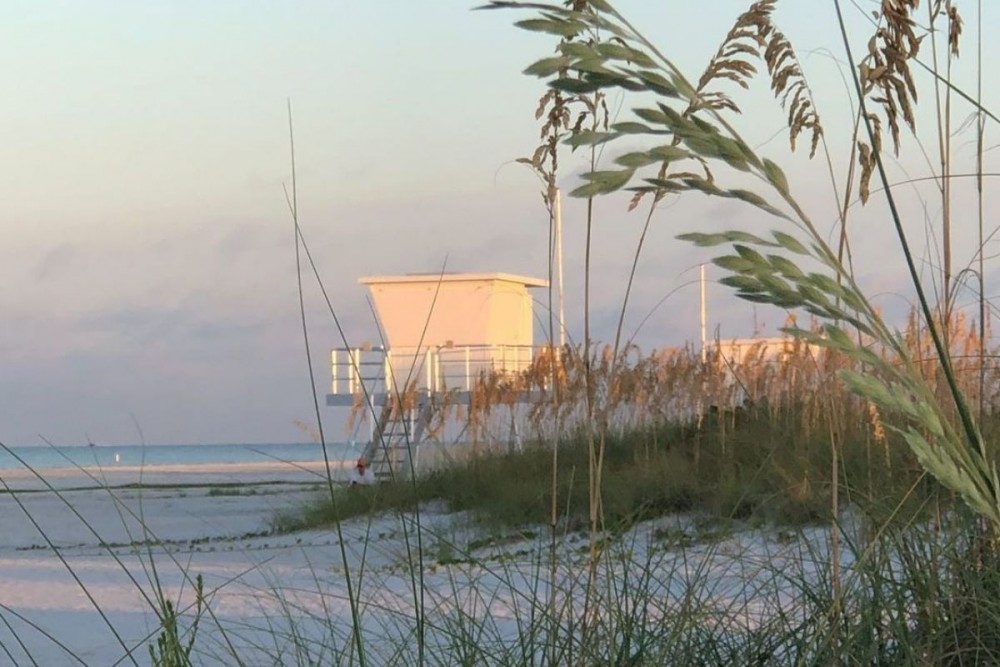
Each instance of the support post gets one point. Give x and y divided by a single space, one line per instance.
428 371
333 370
468 370
354 356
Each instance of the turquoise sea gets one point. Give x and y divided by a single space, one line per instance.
43 457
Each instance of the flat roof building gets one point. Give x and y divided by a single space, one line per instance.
454 309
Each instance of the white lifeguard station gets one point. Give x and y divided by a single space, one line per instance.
440 333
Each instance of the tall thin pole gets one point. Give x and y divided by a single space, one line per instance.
559 269
981 127
703 318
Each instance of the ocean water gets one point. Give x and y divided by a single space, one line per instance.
108 456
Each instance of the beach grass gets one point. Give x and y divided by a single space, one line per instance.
753 464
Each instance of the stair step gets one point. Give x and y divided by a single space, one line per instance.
395 434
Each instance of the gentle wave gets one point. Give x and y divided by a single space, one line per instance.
109 456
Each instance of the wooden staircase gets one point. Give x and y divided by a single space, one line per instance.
395 439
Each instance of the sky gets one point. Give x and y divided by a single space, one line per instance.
147 258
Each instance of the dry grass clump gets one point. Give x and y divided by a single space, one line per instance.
743 436
967 360
636 389
671 398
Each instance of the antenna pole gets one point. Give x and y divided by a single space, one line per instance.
559 268
703 318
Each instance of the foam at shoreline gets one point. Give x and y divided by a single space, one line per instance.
180 474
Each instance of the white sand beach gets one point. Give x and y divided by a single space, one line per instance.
282 599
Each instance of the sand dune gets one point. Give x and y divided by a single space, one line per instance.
282 599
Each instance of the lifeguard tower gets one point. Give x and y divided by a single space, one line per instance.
440 334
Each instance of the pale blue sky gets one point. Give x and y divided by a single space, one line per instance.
146 265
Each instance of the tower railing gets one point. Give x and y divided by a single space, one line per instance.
379 371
